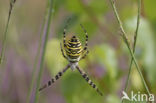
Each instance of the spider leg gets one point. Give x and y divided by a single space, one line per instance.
86 44
64 37
50 82
84 75
85 54
63 52
64 32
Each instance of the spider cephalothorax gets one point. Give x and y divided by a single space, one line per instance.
73 51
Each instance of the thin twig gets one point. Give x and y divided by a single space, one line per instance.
12 2
37 57
43 51
128 45
134 45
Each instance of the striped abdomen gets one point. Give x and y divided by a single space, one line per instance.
73 49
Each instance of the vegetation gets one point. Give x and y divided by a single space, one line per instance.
31 54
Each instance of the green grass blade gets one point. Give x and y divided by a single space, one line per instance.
134 44
128 45
37 58
12 2
44 49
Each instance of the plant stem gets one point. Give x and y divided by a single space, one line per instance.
134 44
12 2
37 57
43 51
128 45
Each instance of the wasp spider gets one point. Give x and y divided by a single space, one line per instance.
72 51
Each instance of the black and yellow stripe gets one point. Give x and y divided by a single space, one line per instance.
84 75
50 82
73 48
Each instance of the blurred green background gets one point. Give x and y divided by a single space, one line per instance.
107 63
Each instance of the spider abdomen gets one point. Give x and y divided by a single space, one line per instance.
73 49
